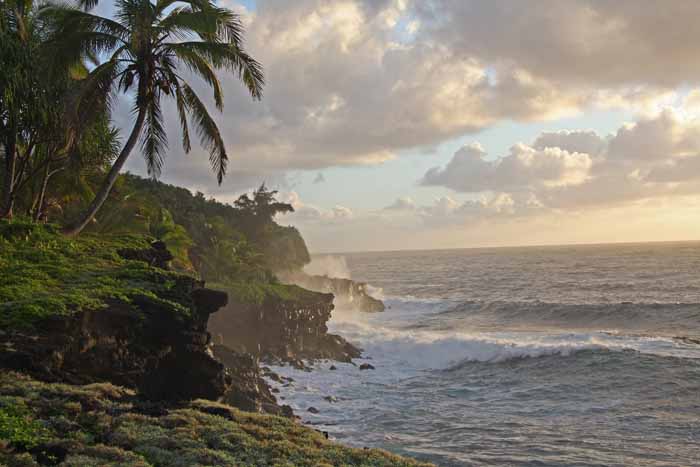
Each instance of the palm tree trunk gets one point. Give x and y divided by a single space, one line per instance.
108 183
38 204
8 187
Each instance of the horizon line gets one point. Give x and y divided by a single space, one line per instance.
494 247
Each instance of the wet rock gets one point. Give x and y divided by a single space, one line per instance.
366 366
312 409
333 368
248 390
273 376
331 399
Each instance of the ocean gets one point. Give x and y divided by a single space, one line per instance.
537 356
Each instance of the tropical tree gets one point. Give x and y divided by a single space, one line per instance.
148 45
18 96
257 212
40 129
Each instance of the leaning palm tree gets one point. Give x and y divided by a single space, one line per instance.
147 47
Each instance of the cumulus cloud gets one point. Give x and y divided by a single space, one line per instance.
359 81
654 157
446 210
524 168
404 203
305 213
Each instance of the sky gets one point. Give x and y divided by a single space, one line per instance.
420 124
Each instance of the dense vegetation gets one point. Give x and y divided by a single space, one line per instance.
45 273
62 69
105 425
224 239
63 66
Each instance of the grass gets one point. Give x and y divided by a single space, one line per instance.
45 273
106 425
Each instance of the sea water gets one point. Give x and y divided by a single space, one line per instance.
540 356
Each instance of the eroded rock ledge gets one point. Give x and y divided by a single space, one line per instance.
142 344
348 293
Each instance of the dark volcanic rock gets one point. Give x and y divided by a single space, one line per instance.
282 331
348 293
248 390
366 366
144 344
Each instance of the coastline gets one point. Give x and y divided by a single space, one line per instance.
106 361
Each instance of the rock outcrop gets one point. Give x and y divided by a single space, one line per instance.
286 324
348 293
248 390
143 344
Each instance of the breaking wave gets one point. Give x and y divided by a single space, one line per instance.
420 348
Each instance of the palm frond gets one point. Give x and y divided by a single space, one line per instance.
67 17
209 134
184 21
87 4
228 57
201 67
180 101
154 141
97 90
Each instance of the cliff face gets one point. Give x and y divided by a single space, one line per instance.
248 390
348 293
280 322
143 343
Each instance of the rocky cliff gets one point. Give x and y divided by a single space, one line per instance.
248 390
348 293
155 341
279 322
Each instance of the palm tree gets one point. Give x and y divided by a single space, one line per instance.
18 44
147 46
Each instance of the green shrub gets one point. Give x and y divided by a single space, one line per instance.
109 431
46 274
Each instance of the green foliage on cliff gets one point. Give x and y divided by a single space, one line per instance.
18 426
248 227
44 273
108 426
258 293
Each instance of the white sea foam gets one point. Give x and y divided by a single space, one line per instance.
429 349
328 265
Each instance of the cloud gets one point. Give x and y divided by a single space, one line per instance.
576 141
308 213
446 210
524 168
402 204
655 157
354 82
573 42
